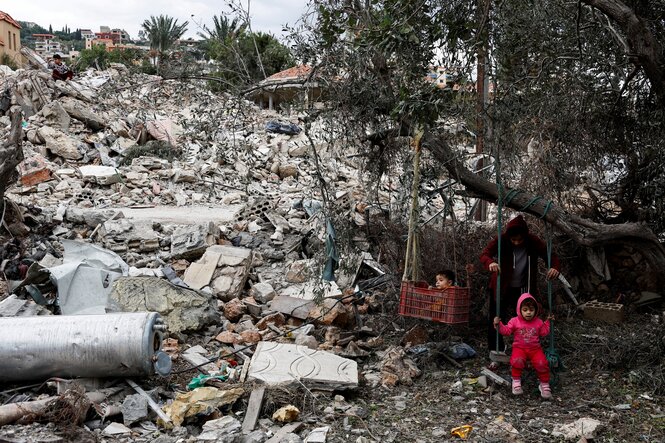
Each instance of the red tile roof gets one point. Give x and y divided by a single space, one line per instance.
300 72
8 18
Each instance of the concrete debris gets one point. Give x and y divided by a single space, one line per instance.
318 435
582 428
147 195
281 363
183 309
134 409
396 367
221 430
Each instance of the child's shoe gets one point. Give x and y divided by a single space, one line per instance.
517 386
545 391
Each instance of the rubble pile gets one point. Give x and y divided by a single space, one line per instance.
143 195
166 198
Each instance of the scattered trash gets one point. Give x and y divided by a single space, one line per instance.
286 414
282 128
200 402
461 431
461 350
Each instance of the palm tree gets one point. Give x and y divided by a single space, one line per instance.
223 30
163 31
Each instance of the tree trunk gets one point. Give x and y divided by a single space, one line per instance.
644 46
11 154
582 231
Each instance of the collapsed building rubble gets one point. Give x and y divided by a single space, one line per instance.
162 198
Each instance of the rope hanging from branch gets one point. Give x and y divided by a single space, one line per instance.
412 258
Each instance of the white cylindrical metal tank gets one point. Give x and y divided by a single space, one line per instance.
108 345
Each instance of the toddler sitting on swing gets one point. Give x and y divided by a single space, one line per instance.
527 329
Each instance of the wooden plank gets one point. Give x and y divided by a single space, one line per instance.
253 409
295 307
494 377
287 429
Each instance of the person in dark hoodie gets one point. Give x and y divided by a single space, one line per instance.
518 266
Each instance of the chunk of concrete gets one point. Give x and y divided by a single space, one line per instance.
582 428
190 242
122 235
134 409
90 217
262 292
183 309
56 116
82 112
102 175
199 274
282 363
221 430
62 144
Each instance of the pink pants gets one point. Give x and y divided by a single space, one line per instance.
520 356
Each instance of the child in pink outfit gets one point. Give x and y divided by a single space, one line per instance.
526 330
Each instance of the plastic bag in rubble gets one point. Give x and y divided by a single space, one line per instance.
282 128
461 350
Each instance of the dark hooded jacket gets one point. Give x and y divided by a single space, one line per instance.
535 248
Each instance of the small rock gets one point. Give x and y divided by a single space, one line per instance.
286 414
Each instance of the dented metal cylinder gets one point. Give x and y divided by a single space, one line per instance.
108 345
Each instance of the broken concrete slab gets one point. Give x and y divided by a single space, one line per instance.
134 409
196 357
188 215
221 430
230 278
279 363
183 309
190 242
199 274
101 175
62 144
294 307
56 116
82 112
122 236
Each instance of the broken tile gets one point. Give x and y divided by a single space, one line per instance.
276 363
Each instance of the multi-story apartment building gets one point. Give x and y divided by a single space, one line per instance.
10 38
87 34
46 45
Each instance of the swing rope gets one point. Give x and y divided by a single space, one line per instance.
553 358
412 258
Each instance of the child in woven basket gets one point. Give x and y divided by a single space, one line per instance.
526 330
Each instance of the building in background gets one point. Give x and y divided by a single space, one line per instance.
46 45
10 39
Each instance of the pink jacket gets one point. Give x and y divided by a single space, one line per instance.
526 333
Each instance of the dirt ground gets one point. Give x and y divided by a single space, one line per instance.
608 378
614 374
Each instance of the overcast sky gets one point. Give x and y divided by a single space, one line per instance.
266 15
